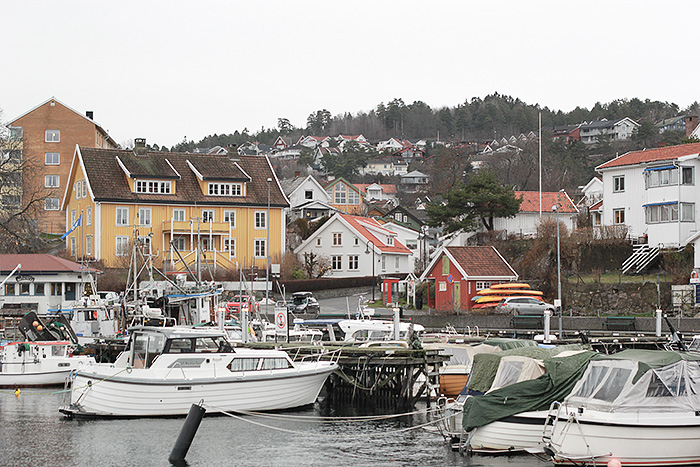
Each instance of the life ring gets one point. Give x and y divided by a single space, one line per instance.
694 275
94 314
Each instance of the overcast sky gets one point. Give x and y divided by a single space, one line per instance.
165 70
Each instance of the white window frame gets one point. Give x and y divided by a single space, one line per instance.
340 194
180 242
156 187
123 219
121 245
390 241
337 262
354 197
49 158
52 204
618 184
88 215
230 244
481 285
258 244
383 260
146 245
208 215
619 216
78 189
353 262
49 179
147 213
73 247
260 220
687 212
337 239
207 243
397 262
230 217
84 188
179 215
88 245
224 189
52 136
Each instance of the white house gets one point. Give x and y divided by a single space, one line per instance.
408 237
615 130
313 142
351 243
527 220
653 193
307 198
592 192
391 145
43 282
377 191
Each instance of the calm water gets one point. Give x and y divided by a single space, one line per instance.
35 434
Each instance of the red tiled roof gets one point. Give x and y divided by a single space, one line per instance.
531 201
481 261
359 224
652 155
387 188
38 263
596 206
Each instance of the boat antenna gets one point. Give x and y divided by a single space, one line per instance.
674 333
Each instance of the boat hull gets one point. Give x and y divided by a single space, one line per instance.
451 384
119 393
635 439
516 433
44 372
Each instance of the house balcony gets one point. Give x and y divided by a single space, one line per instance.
185 227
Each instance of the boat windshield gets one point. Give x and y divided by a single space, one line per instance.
145 348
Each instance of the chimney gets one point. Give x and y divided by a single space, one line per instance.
691 123
89 114
140 147
297 174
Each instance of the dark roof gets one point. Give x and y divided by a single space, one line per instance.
40 263
480 261
109 182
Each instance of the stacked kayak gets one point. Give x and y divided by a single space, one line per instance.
489 298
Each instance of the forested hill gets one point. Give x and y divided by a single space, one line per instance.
493 117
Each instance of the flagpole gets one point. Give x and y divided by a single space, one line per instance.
540 141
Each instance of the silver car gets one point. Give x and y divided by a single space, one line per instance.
524 306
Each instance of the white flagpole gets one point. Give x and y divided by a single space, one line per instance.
540 141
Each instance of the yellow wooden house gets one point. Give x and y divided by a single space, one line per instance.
171 202
344 196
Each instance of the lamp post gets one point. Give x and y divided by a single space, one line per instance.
267 248
367 252
555 208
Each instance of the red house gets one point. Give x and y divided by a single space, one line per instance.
458 272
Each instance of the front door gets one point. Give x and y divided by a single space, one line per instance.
70 291
457 296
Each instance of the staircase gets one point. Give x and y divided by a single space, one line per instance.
642 256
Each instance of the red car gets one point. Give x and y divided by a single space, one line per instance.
234 306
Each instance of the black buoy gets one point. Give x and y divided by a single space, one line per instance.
189 429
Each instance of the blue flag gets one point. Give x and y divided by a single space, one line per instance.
75 224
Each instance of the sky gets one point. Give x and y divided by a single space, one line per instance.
170 70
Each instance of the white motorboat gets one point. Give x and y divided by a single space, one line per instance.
639 407
164 370
38 363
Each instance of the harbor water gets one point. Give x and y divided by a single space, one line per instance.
35 434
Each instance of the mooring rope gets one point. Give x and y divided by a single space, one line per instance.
297 432
314 419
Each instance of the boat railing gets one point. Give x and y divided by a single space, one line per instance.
332 356
550 422
176 365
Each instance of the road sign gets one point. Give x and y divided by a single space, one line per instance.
449 278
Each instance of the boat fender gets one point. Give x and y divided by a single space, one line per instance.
94 314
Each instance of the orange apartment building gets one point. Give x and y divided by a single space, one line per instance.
50 132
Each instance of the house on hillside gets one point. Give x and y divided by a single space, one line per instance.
307 198
312 142
378 167
377 191
527 220
344 196
173 202
459 272
351 243
49 133
613 130
653 194
414 182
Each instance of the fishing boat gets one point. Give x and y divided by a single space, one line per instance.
38 363
639 407
164 370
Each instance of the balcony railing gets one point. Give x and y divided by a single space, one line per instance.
185 227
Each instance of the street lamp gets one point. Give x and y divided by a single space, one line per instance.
555 208
267 248
367 252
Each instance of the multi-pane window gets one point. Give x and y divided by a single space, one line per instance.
78 189
225 189
308 194
145 244
73 248
24 288
16 133
383 259
353 262
207 244
260 220
150 186
230 245
180 243
669 213
121 246
663 177
56 289
52 204
619 183
619 216
88 245
340 193
336 262
179 215
480 285
122 216
52 158
230 218
396 262
688 212
390 241
260 248
52 136
72 217
337 239
687 176
145 216
354 197
52 181
207 215
88 215
84 189
38 288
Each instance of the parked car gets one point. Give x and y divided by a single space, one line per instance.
234 305
303 303
524 306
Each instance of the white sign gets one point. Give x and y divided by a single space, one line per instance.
281 321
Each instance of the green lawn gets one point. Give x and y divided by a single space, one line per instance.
616 278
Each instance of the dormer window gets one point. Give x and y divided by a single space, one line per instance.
390 241
225 189
155 187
